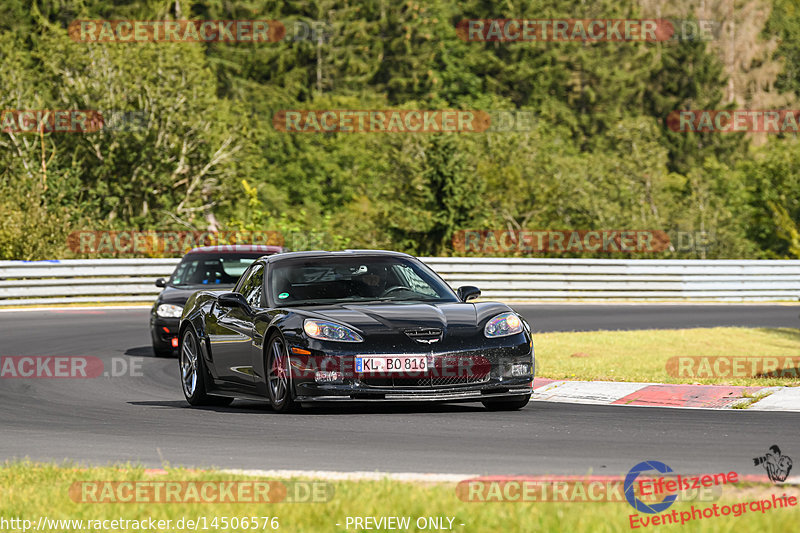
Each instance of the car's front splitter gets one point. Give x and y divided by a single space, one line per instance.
419 396
492 388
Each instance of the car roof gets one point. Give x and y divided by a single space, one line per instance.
263 249
327 254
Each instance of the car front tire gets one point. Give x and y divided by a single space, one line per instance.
278 375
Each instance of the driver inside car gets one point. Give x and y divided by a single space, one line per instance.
370 284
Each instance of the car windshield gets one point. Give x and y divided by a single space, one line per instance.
320 281
211 269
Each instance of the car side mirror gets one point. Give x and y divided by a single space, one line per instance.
467 293
233 299
161 282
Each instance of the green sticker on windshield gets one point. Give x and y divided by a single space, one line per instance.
283 295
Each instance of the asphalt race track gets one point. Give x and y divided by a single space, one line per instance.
143 418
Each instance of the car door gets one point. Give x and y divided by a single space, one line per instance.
232 341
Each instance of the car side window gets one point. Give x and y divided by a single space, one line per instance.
251 285
244 278
409 278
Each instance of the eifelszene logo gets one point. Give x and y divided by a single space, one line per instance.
669 485
630 484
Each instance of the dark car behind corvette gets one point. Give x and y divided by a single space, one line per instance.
308 327
201 268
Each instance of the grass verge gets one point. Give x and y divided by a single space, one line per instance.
29 491
643 355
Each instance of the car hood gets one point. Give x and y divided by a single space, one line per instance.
179 295
399 317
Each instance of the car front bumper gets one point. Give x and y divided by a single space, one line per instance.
489 375
492 389
163 330
465 371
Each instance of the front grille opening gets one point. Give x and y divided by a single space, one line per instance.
494 391
424 335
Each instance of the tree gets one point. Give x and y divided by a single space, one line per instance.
435 193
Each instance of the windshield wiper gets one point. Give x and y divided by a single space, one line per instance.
390 299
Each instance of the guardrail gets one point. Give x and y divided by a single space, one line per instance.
81 280
635 279
132 280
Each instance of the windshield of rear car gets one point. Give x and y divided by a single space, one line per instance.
320 281
211 269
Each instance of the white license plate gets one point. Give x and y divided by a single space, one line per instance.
386 364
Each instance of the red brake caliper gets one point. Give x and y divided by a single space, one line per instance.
279 369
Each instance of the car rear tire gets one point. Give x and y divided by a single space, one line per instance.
513 404
193 373
278 375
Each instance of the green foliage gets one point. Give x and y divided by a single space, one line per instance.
435 193
773 178
598 155
29 228
784 23
787 228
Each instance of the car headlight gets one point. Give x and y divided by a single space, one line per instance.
503 325
330 331
169 310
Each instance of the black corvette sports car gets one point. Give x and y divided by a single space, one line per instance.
305 327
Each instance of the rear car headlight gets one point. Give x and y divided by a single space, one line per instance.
169 310
503 325
329 331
